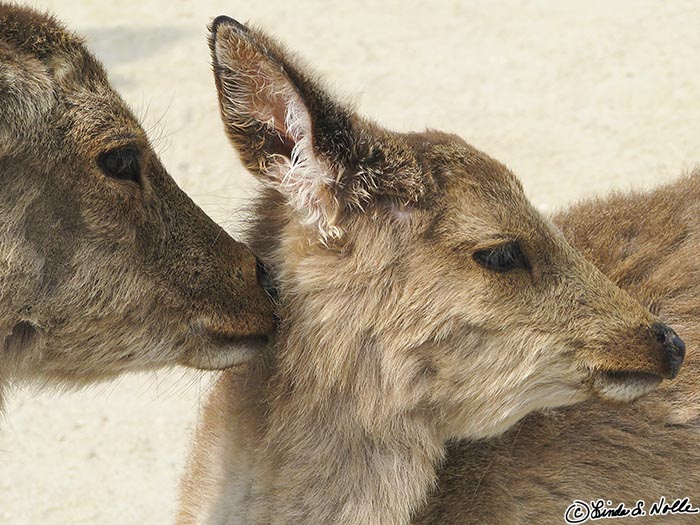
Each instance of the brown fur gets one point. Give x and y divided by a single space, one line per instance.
649 244
97 275
395 341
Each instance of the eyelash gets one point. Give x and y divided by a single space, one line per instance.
502 258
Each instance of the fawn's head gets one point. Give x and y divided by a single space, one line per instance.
413 271
105 264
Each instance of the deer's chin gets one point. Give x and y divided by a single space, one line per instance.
624 386
227 353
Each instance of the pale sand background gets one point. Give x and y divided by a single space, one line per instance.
575 97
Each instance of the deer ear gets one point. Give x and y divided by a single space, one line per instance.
272 114
292 134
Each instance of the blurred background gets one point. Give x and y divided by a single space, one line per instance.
575 97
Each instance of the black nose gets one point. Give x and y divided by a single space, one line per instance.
674 346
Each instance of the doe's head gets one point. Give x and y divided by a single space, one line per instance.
413 269
105 264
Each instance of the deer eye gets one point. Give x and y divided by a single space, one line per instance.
121 163
502 258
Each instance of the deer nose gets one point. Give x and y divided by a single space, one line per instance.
673 346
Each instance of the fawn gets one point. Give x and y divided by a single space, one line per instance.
106 266
423 300
648 243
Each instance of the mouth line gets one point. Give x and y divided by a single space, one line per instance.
624 386
224 340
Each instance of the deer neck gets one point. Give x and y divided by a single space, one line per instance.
343 451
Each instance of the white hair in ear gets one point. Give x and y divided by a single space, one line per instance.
306 179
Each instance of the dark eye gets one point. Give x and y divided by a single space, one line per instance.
121 163
502 258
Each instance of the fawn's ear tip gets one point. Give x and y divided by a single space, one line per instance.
222 32
223 21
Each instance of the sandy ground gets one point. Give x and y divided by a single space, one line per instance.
576 97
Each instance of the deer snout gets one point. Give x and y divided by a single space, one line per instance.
653 352
235 317
672 346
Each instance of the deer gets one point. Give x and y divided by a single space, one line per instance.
556 465
106 265
432 321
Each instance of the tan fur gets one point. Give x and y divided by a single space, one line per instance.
649 244
394 340
100 276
